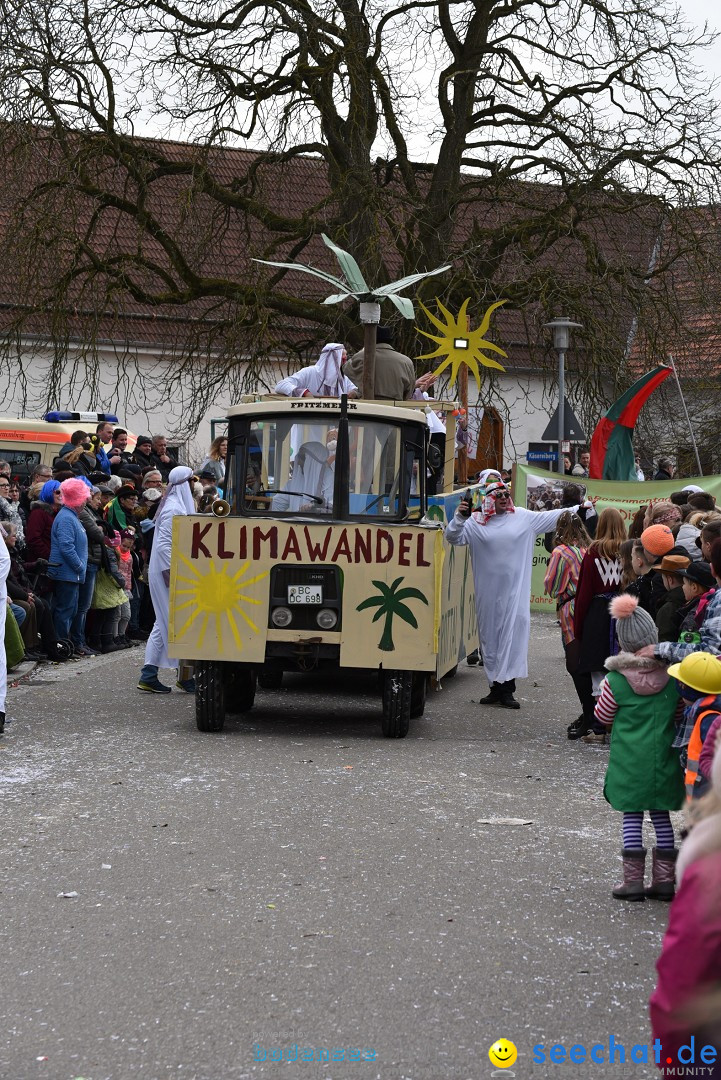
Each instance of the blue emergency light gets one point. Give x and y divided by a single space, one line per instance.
84 417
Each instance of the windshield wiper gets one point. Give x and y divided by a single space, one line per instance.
391 494
278 491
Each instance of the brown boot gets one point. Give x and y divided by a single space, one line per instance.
663 883
634 863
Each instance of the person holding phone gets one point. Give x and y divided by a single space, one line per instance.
501 538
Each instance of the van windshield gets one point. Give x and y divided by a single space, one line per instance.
290 468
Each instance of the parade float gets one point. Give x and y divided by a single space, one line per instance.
326 552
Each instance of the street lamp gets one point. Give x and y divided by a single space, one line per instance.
561 329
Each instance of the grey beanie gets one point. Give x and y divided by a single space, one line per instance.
634 626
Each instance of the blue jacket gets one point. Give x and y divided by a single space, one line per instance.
68 547
103 460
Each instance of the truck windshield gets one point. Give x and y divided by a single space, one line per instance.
290 468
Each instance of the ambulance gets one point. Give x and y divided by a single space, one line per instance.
28 443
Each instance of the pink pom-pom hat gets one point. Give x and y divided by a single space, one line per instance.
75 493
622 606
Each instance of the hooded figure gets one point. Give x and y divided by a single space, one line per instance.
177 500
312 477
501 539
323 379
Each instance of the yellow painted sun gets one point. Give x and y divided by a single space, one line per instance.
216 596
460 345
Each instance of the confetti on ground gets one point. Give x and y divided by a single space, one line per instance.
504 821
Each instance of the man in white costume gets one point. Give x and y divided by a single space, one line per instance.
501 538
323 379
312 479
4 571
178 499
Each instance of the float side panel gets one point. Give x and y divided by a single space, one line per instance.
220 588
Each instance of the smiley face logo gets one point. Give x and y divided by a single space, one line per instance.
502 1054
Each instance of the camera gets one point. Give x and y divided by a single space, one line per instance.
467 497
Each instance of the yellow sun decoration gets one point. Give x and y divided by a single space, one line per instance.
216 595
460 345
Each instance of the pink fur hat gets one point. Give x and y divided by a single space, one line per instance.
75 493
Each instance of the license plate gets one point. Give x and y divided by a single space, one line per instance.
305 594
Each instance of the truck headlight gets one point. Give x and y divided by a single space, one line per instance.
326 618
281 616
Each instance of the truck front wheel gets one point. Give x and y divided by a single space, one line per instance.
209 695
397 687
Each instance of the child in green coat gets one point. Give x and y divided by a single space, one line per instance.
644 773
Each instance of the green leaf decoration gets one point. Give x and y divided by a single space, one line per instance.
407 615
404 283
336 282
354 284
404 305
371 601
348 265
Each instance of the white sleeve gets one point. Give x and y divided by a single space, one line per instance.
348 385
291 387
545 520
456 530
163 542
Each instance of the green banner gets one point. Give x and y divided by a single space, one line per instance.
538 489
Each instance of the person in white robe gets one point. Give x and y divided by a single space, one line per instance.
4 571
322 379
177 499
501 538
312 480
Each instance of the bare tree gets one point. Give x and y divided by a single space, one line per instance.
541 146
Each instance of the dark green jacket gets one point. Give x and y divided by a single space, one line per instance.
644 772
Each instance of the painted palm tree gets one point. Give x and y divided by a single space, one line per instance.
390 603
353 285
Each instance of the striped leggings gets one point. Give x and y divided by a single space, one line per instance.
633 829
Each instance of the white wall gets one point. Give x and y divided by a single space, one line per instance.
144 390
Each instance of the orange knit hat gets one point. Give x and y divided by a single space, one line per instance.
657 539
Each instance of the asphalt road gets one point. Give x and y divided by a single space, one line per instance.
299 881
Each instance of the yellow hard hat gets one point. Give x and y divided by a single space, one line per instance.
699 670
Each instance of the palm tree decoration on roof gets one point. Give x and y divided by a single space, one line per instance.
390 603
353 285
460 345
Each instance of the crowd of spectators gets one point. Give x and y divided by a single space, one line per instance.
79 534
